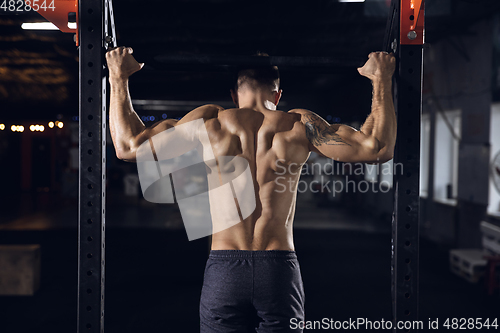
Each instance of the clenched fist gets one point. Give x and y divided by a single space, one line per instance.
121 63
380 65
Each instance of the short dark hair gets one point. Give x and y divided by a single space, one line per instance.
262 76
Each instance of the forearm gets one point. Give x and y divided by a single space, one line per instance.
381 123
124 123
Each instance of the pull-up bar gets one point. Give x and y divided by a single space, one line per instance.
256 61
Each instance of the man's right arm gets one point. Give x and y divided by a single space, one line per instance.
128 132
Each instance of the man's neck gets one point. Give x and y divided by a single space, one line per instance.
257 104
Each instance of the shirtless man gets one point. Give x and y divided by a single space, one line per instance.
252 278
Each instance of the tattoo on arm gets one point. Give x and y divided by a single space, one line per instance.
318 132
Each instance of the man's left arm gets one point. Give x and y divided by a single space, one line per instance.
375 142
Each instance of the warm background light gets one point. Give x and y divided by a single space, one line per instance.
39 26
17 128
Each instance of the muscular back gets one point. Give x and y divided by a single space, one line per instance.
275 146
274 143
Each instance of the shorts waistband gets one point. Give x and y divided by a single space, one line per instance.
219 254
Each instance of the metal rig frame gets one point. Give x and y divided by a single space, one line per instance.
404 37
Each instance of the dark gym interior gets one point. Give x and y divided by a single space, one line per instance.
153 274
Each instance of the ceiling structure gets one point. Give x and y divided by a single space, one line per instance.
39 69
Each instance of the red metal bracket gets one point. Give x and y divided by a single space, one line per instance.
59 14
412 22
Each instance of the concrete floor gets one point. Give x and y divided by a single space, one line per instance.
154 274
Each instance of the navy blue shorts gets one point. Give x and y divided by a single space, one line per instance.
251 291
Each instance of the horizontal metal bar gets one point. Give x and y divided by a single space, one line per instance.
174 106
257 61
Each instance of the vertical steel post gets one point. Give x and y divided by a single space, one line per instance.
408 103
92 182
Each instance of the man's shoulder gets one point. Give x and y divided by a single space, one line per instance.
301 115
306 116
300 111
207 111
246 117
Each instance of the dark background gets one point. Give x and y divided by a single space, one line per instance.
153 274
